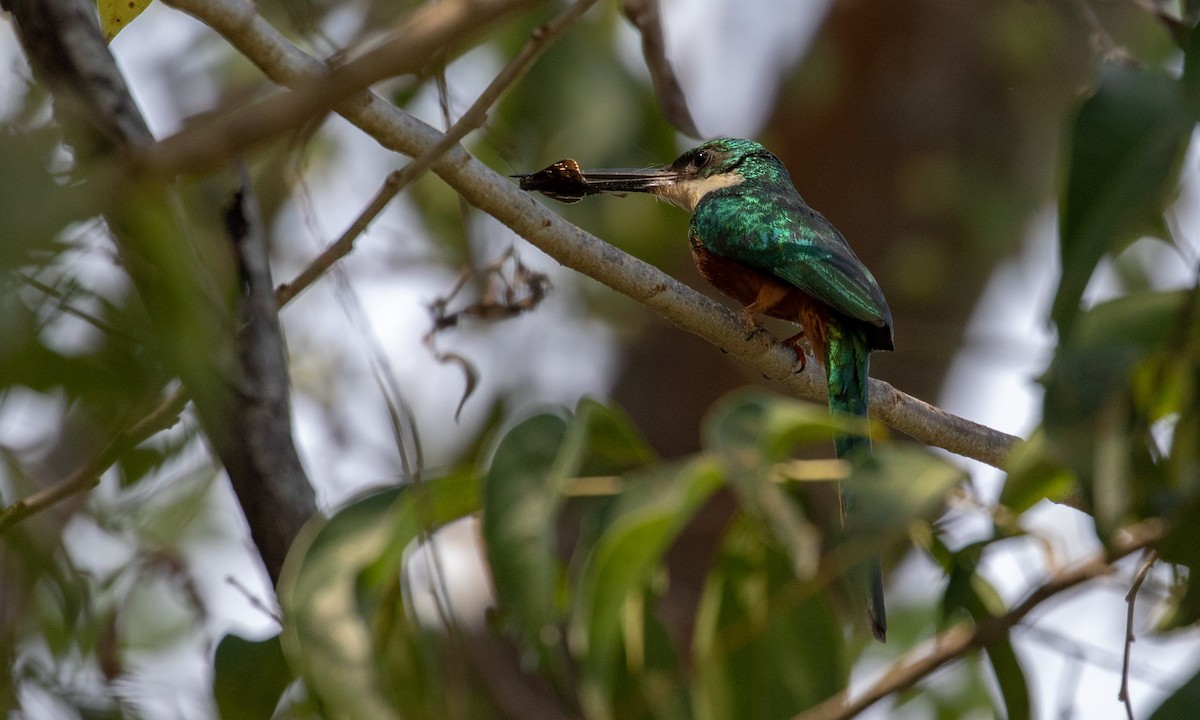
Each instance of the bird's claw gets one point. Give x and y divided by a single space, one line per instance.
801 357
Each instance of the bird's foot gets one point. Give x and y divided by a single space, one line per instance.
801 357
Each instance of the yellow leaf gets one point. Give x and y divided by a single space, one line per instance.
116 14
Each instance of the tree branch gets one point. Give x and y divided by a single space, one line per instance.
270 483
165 415
238 381
475 116
961 639
59 39
286 64
646 17
427 32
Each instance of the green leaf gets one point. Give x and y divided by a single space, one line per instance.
1182 703
1091 411
1011 679
612 444
961 593
1094 365
249 677
1182 546
407 654
654 684
967 591
902 483
643 525
752 426
767 644
1033 476
752 430
1191 65
1126 145
324 637
422 508
31 233
333 591
115 15
523 495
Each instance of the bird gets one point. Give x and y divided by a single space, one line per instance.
756 240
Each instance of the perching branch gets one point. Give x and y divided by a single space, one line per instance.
962 639
286 64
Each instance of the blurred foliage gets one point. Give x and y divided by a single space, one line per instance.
588 582
587 616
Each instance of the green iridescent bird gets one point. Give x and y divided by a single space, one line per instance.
755 239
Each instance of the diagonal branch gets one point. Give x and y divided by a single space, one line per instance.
286 64
88 475
475 116
962 639
647 18
430 30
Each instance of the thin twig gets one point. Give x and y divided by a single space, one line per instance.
540 39
88 475
1130 599
395 129
1096 656
647 18
255 601
65 306
961 639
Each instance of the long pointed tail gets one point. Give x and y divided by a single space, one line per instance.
847 364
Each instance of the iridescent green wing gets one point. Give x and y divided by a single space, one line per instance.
780 235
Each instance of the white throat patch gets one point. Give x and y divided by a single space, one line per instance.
687 193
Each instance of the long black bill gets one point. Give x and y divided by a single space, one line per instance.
565 182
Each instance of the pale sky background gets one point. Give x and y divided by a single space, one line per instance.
722 75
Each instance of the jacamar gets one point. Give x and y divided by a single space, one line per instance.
755 239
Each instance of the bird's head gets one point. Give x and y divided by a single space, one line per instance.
716 164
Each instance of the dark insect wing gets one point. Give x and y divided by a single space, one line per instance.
561 181
565 182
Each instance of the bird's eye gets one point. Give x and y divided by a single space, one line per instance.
701 158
